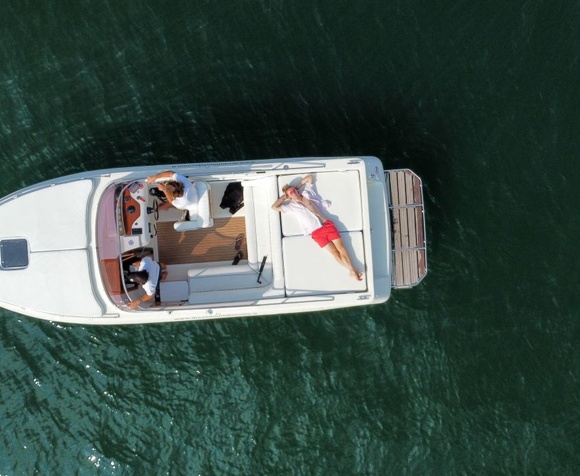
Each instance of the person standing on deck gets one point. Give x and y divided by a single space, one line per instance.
305 207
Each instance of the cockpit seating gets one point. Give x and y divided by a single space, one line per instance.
199 214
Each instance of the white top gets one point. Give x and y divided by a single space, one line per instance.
152 268
308 220
189 197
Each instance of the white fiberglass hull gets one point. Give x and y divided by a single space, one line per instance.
64 243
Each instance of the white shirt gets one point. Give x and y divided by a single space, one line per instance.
189 198
152 267
307 220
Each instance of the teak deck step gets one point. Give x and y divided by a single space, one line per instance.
408 228
217 243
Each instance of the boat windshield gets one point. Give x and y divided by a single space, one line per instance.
120 236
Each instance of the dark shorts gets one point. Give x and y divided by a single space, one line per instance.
325 234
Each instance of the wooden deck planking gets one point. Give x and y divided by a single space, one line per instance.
413 274
405 256
397 244
409 239
421 255
204 245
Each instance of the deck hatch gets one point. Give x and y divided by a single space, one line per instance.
14 253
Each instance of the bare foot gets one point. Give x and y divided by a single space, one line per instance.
356 275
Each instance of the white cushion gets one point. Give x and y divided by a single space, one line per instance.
173 291
342 189
263 226
311 270
224 278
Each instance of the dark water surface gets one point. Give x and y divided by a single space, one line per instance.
476 371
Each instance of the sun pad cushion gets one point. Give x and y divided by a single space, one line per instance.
311 270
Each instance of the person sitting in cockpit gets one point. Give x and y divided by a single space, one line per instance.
148 274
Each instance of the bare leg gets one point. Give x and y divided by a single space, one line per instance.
334 252
163 271
339 252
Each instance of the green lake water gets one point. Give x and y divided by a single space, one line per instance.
476 371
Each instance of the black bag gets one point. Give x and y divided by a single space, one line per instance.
233 197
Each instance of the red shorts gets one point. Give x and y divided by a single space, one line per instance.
325 234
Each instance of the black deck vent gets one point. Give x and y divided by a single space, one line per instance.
14 253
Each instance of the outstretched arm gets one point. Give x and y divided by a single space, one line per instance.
160 175
307 179
168 174
134 304
277 203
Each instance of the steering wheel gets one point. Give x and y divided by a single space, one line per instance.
156 210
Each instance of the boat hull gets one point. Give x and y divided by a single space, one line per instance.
79 238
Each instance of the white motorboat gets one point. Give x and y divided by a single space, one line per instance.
67 244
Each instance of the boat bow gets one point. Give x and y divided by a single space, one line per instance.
46 263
